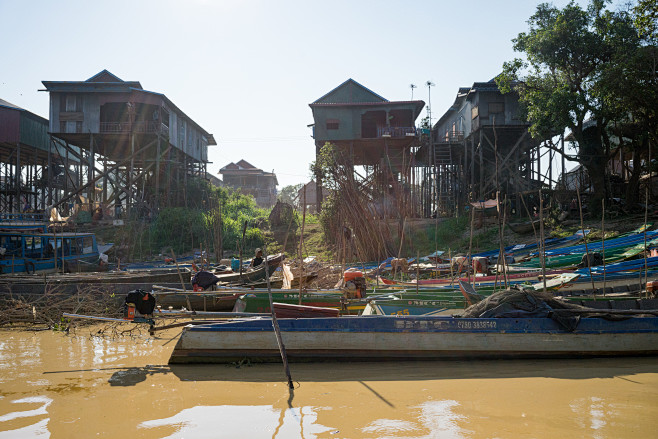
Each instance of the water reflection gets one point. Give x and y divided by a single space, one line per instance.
52 383
231 421
29 422
131 376
434 419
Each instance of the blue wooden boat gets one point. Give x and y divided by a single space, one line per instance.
518 250
410 337
407 307
597 246
30 252
23 222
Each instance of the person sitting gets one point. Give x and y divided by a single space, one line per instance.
258 259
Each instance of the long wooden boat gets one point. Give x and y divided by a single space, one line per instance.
525 227
255 274
409 307
405 338
287 310
30 252
597 246
529 276
612 255
258 302
521 250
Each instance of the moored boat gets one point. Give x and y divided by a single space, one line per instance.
30 252
404 338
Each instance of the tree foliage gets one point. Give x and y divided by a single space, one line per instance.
212 212
288 194
588 71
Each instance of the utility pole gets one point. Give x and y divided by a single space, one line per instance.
429 85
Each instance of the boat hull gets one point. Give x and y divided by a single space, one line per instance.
410 338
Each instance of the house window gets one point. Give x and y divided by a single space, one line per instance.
496 107
332 124
70 103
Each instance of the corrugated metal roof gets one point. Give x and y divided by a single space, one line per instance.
4 103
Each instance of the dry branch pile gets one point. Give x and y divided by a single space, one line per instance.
354 212
47 308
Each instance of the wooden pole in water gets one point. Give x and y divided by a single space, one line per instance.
452 274
603 241
180 276
532 223
646 213
470 245
542 250
502 234
587 258
417 270
244 230
301 243
275 323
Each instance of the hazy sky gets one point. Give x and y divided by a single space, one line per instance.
247 70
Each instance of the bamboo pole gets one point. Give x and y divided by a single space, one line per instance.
275 324
417 270
646 212
503 242
301 243
603 242
582 227
180 276
244 230
542 241
470 245
532 223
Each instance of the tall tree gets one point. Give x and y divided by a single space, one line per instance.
564 80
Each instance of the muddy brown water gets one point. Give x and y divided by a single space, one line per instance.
83 385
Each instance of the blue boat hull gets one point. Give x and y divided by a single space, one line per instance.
407 338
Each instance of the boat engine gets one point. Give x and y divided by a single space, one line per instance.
139 300
355 284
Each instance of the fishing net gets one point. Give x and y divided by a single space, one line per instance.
522 303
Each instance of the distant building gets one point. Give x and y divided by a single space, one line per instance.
311 195
215 181
250 180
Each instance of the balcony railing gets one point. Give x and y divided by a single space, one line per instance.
452 137
396 132
140 126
